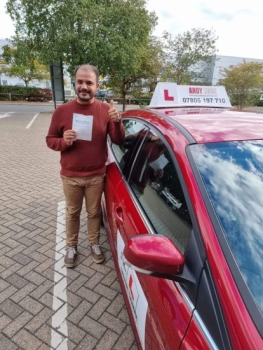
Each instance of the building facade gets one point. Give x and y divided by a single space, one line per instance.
220 61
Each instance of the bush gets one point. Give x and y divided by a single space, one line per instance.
140 101
14 89
22 93
259 103
41 95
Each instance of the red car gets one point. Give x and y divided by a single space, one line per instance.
183 210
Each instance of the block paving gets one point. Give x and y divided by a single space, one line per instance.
43 305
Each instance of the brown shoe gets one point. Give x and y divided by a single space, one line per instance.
98 256
71 256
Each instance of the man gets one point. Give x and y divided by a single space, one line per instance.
83 156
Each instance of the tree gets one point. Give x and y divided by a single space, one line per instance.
188 55
99 32
142 71
22 63
243 82
152 61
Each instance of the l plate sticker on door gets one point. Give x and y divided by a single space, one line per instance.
136 296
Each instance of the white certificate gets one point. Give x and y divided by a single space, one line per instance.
82 124
159 163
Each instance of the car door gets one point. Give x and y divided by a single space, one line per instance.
161 309
117 202
113 178
122 216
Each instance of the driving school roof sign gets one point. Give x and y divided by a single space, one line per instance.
173 95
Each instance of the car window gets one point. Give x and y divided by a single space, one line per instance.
148 167
131 128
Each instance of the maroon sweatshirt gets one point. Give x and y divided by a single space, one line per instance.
83 158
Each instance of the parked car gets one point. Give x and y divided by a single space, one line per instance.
170 199
191 277
101 93
107 94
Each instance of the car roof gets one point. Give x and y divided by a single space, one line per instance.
217 125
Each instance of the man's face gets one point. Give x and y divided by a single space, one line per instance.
86 86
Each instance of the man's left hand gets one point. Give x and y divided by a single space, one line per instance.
159 172
113 113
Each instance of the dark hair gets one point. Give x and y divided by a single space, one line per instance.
88 67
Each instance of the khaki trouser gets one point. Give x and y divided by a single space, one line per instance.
75 189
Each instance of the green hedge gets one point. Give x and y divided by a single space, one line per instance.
17 89
23 93
135 101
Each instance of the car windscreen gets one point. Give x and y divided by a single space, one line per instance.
232 173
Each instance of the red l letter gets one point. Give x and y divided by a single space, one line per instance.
167 97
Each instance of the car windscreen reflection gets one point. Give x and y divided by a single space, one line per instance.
232 173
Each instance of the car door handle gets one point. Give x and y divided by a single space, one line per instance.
118 214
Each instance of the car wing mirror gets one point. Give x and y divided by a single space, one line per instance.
157 256
154 253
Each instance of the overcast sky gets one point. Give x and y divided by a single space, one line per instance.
237 23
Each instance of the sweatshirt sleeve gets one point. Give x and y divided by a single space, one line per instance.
54 138
116 132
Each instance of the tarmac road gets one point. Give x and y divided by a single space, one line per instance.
38 107
25 107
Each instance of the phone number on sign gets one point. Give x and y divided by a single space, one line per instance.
204 100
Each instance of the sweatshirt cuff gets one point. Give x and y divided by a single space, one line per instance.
64 146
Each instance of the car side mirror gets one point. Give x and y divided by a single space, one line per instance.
153 254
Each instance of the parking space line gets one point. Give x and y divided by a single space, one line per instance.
32 121
59 333
8 114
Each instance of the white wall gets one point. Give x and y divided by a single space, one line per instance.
225 62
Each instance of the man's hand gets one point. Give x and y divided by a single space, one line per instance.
113 113
69 137
159 172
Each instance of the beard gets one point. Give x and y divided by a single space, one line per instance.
85 96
